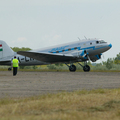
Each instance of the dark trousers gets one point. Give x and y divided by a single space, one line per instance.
14 71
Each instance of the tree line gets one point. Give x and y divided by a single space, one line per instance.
111 62
16 49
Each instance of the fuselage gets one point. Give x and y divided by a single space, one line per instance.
95 47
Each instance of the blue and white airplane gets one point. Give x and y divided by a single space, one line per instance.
70 53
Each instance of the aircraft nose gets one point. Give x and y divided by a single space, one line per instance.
110 45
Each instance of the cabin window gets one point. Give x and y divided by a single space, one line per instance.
22 59
69 49
63 50
57 51
90 43
97 42
75 48
51 52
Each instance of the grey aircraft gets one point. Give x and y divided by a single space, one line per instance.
69 53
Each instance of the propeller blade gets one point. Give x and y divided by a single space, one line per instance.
88 57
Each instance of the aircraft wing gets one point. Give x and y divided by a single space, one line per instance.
48 57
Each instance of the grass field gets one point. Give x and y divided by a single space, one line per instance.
101 104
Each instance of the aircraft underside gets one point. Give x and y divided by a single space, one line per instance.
72 67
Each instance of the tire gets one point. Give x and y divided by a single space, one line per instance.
72 68
86 68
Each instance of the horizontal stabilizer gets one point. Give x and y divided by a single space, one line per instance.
48 57
5 60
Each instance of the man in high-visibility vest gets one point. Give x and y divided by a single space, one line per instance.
15 64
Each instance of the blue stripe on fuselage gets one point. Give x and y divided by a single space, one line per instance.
79 48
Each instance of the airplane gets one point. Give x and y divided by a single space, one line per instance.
69 53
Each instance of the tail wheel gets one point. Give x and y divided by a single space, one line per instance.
86 68
72 68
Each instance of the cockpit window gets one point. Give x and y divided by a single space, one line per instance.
100 42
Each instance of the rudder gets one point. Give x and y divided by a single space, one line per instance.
5 50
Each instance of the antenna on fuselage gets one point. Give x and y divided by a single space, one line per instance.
79 38
85 37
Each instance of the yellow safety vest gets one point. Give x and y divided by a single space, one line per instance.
15 62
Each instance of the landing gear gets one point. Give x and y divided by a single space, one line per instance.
86 68
72 68
9 69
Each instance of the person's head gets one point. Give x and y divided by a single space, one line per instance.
14 56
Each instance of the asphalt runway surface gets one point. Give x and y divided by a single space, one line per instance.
27 84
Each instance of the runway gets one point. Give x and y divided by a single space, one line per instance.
27 84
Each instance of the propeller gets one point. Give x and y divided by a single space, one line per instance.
86 54
102 57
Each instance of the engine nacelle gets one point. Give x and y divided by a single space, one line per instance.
95 58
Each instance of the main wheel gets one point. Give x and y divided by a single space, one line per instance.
72 68
86 68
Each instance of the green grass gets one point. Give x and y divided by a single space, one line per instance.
79 105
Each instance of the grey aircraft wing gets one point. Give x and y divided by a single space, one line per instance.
48 57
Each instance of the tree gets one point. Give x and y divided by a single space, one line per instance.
89 63
51 66
16 49
117 59
34 67
104 63
22 67
109 63
59 64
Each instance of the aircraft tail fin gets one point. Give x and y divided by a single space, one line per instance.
5 51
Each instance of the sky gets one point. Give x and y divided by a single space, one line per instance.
38 24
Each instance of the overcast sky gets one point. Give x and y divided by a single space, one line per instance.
43 23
